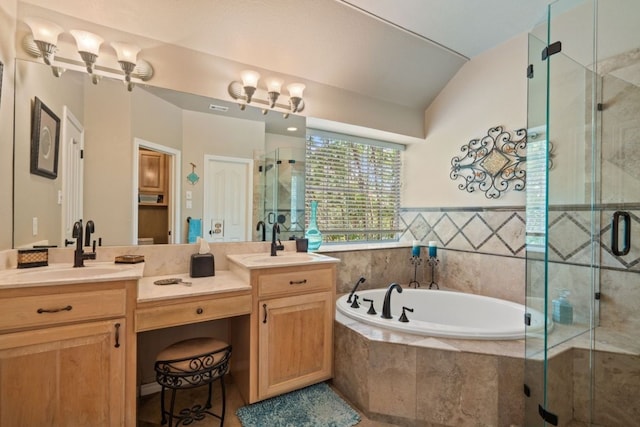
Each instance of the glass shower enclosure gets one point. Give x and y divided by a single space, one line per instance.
282 192
583 215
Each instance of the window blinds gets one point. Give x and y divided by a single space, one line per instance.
357 186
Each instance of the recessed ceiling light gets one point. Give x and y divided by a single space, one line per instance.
292 128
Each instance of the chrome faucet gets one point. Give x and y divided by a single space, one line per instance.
275 247
360 280
264 230
386 306
79 255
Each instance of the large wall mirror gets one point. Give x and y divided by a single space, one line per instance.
144 152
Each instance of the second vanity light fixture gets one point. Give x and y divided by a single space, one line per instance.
44 39
247 91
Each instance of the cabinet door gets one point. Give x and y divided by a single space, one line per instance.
151 176
63 376
296 340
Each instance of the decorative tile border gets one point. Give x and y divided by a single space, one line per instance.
497 231
501 231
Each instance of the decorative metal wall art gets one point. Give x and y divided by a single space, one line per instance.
492 164
193 177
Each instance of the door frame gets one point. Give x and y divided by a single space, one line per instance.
174 188
208 185
68 118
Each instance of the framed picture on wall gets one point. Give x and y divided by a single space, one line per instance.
45 141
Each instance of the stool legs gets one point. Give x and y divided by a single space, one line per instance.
208 404
224 401
164 417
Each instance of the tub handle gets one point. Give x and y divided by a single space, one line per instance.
355 302
371 309
403 318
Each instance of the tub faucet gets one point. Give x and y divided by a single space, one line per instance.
360 280
79 255
275 247
262 226
386 306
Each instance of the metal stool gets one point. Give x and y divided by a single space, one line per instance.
188 364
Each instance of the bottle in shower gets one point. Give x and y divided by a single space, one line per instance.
562 309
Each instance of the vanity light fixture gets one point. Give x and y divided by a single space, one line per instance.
249 83
247 91
88 48
43 40
45 35
127 58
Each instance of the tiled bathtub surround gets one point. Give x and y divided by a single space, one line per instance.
410 380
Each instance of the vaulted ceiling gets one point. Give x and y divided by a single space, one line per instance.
399 51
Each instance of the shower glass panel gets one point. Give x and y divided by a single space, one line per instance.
583 222
283 191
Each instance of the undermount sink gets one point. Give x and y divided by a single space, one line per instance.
55 273
282 259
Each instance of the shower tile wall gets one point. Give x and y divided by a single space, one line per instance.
484 251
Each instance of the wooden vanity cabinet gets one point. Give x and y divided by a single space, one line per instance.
290 331
65 360
152 172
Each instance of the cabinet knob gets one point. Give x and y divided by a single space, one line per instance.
199 310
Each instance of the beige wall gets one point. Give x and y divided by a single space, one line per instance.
35 195
205 134
7 54
490 90
108 161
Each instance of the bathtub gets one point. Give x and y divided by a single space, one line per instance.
439 313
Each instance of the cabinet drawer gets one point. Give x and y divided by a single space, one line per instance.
52 309
294 281
192 312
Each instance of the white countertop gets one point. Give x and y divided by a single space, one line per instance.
65 273
283 259
223 281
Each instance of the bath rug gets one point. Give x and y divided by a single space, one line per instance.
313 406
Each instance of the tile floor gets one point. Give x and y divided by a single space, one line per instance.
149 407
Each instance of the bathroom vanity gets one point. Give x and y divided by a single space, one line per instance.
287 341
67 346
68 336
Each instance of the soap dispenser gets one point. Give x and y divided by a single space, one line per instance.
562 309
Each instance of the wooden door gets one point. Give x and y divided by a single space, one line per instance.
63 376
295 342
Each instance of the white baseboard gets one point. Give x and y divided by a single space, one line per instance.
150 388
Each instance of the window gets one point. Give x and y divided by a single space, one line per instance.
356 182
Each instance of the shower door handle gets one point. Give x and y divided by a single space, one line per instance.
615 231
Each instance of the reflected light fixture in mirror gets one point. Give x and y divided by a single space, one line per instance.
42 42
248 91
